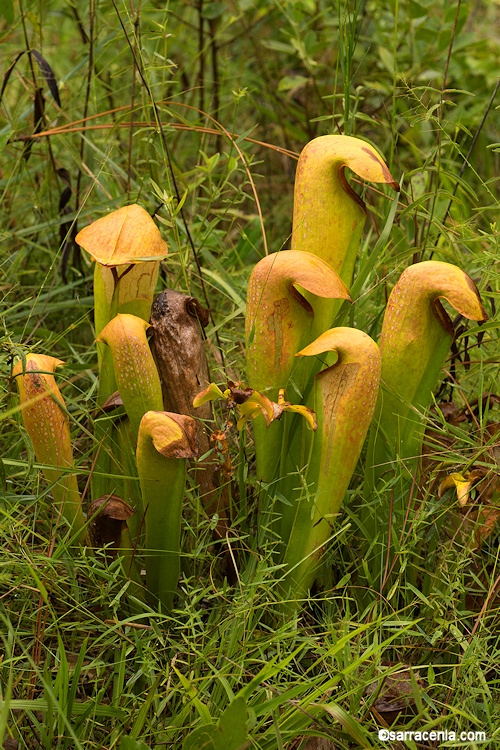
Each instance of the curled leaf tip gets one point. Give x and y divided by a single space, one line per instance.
108 516
121 326
461 484
211 393
416 336
279 317
324 161
328 214
348 151
173 435
345 342
125 236
356 371
37 386
283 271
427 283
37 363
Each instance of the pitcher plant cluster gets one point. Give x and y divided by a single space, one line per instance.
313 392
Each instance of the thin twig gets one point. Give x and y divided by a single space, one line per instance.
74 127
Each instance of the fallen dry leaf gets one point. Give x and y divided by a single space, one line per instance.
105 528
319 743
395 692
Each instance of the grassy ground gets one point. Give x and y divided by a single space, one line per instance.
198 112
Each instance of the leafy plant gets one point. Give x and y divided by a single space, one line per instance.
197 111
307 474
165 442
46 421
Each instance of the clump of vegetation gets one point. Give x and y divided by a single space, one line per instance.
198 548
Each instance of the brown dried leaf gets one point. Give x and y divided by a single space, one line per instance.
475 520
48 74
106 527
219 436
8 73
239 394
319 743
178 348
488 518
487 401
113 402
451 413
396 691
179 351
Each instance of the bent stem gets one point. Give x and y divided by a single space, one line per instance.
328 220
345 398
165 441
46 421
328 215
139 390
126 246
278 324
416 337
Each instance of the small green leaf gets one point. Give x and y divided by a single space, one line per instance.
349 724
127 743
278 46
387 59
430 675
290 83
282 499
7 10
231 732
201 738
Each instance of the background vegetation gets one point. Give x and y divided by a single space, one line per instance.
197 111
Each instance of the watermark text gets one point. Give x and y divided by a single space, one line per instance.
441 735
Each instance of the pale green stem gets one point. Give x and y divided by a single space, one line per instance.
162 486
46 421
135 371
345 397
415 341
278 324
123 289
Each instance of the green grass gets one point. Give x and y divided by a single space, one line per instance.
200 111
